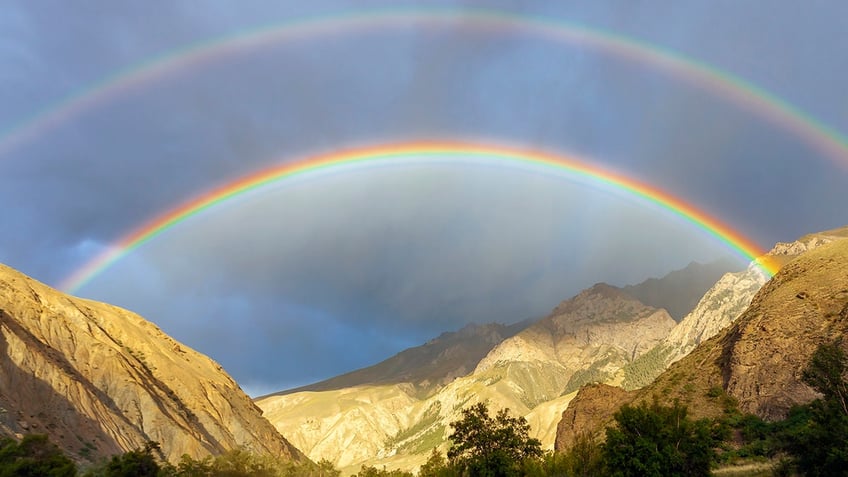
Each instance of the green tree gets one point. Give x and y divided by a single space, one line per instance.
488 446
436 466
34 456
371 471
656 440
821 446
143 462
825 374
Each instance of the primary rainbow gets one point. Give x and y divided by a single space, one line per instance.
417 152
816 134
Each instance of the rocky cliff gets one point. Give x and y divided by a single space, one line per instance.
719 306
759 358
101 380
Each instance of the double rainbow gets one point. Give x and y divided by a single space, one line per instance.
400 154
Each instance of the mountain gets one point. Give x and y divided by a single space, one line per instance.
100 380
587 338
429 366
759 358
533 373
718 307
679 291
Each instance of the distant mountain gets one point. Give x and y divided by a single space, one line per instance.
99 380
534 373
758 359
429 366
679 291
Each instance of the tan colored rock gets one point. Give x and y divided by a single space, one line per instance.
759 359
101 380
585 339
805 305
588 412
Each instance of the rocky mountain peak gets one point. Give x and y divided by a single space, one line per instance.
101 380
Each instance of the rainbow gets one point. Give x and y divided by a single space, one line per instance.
404 154
720 83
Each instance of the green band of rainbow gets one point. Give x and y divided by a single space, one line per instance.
721 83
399 155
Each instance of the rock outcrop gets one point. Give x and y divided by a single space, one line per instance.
588 412
101 380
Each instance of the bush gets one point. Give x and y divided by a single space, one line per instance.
34 456
656 440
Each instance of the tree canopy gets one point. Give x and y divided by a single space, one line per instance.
657 440
489 446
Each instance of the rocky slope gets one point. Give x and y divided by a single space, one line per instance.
719 306
100 380
534 373
758 359
429 366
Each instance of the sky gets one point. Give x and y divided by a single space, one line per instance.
113 113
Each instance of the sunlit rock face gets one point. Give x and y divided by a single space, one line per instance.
759 358
722 304
101 380
533 373
718 308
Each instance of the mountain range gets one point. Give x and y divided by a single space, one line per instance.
532 368
100 380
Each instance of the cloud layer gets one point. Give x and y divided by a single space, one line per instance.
320 276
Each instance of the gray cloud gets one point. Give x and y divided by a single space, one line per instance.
338 271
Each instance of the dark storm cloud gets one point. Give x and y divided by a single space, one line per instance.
333 273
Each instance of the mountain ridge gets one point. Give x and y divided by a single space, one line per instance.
758 359
100 380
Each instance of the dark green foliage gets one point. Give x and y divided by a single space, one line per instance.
825 374
584 459
437 466
657 440
34 456
488 446
814 436
142 462
820 446
370 471
241 463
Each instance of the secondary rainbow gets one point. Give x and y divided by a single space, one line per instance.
403 154
743 93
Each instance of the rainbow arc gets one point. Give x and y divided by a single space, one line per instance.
403 154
